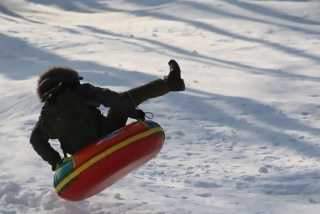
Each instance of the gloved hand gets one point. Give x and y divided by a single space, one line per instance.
57 165
141 115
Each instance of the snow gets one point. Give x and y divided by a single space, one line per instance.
242 138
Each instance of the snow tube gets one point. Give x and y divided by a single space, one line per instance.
106 161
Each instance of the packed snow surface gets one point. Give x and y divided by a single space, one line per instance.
244 136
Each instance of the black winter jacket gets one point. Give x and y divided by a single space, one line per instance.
83 136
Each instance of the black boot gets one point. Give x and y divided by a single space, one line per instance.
173 80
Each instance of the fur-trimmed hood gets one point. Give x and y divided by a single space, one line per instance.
55 75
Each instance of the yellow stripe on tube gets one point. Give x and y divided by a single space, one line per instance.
105 154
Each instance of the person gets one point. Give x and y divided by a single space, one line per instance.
122 106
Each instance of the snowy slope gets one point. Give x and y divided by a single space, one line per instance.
242 138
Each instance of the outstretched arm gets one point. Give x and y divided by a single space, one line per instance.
41 145
108 98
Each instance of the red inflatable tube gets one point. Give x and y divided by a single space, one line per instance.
106 161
